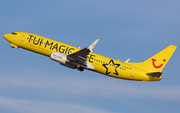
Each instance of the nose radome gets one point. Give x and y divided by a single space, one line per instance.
5 36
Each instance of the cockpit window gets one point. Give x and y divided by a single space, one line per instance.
13 33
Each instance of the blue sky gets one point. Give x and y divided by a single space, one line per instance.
31 83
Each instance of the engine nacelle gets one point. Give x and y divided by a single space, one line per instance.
59 57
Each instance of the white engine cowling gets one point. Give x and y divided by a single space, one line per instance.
59 57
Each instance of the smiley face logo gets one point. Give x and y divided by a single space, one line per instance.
155 66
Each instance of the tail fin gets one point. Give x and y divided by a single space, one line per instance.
157 62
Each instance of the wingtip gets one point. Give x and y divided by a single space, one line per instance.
90 47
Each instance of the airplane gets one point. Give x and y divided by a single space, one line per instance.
80 59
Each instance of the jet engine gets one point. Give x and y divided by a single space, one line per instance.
62 59
59 57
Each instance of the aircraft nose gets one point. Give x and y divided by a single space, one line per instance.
5 36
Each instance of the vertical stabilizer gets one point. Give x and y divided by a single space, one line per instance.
157 62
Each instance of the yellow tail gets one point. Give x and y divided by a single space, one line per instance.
157 62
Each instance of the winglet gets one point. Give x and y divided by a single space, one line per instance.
90 47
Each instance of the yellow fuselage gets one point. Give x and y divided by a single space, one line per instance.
102 64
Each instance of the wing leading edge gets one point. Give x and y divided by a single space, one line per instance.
80 57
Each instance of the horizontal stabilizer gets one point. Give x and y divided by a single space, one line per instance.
154 74
127 60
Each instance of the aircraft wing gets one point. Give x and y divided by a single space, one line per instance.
80 56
